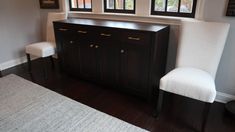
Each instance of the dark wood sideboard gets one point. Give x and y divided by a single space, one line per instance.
128 56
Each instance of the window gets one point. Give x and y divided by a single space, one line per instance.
180 8
119 6
80 5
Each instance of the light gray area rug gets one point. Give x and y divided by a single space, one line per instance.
28 107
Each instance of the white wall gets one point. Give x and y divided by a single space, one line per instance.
43 15
215 10
22 22
19 25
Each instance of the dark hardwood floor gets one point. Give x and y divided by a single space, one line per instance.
179 114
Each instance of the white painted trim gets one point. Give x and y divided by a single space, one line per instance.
143 10
15 62
200 9
12 63
129 17
224 97
18 61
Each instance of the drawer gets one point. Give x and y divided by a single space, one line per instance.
106 34
84 33
135 37
63 29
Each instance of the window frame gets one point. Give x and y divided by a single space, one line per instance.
80 9
176 14
119 10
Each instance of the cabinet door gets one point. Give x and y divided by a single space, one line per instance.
88 61
107 56
67 48
70 56
134 65
108 63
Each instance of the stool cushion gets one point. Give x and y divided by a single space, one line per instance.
190 82
41 49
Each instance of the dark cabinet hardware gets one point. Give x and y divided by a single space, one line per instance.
122 51
83 32
134 38
63 29
106 35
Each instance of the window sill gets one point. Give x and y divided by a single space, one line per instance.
131 17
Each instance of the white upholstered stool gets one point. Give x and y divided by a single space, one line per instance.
47 48
200 48
41 49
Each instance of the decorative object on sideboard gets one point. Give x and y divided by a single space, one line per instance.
231 8
49 4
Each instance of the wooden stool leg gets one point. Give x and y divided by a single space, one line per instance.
29 62
0 73
159 104
52 62
205 116
45 68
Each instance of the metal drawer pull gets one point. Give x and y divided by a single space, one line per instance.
80 31
106 35
96 46
132 38
63 29
122 51
91 45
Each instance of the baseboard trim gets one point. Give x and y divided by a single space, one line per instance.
15 62
224 97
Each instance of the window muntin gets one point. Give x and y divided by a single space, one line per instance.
119 6
80 5
180 8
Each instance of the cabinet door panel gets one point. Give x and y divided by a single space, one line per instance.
134 64
88 61
108 63
62 34
70 56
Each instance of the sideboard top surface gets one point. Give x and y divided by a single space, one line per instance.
115 24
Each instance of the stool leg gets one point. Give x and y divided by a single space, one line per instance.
29 62
158 107
52 62
0 73
205 116
45 68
